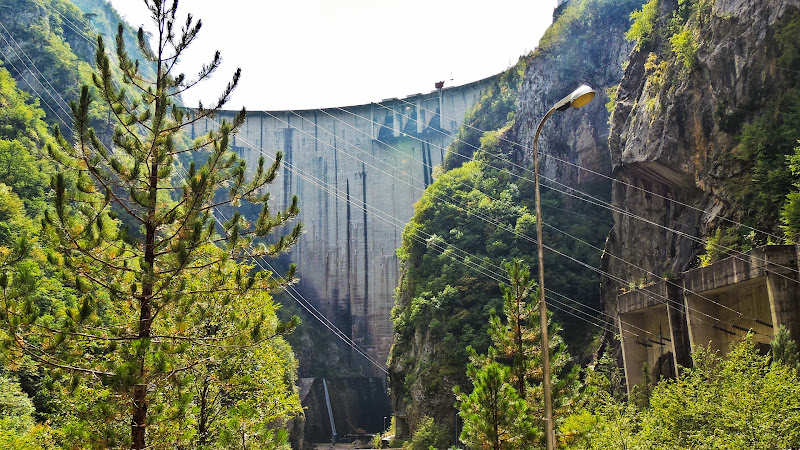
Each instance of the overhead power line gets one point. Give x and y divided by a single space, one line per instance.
569 190
399 223
670 302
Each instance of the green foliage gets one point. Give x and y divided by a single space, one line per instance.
784 350
442 298
516 340
609 425
790 213
685 48
512 371
13 221
23 135
494 414
788 39
766 146
478 215
495 109
642 29
18 429
42 29
725 242
578 18
602 380
646 30
790 217
165 330
657 77
765 170
51 41
741 401
16 409
612 100
428 435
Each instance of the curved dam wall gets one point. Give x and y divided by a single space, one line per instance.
358 170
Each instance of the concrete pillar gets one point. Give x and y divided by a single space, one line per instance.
678 329
632 360
783 290
420 120
397 122
441 109
653 331
422 115
373 133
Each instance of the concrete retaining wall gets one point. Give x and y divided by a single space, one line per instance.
712 307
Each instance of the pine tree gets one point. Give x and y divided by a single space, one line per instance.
494 414
784 349
516 345
517 340
150 302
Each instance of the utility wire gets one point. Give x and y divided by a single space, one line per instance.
608 205
654 295
273 116
33 88
599 174
590 267
305 304
598 202
397 223
551 249
294 294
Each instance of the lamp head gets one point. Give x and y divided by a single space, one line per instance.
578 98
581 96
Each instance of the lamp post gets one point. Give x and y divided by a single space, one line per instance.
578 98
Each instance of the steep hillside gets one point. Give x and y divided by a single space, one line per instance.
706 118
478 214
49 47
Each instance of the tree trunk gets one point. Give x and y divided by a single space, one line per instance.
139 424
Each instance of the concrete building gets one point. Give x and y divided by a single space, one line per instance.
713 307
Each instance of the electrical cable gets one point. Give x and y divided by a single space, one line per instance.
315 313
598 202
580 262
562 254
594 172
49 92
499 224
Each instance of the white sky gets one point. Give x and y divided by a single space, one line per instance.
303 54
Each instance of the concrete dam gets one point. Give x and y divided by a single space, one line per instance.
357 170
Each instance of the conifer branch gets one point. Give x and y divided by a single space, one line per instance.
70 368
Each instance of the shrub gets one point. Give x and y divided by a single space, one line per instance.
428 434
685 48
643 26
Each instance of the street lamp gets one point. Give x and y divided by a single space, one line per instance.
578 98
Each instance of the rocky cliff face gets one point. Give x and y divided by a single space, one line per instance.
680 132
49 48
570 54
705 115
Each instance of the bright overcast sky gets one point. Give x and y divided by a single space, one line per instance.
302 54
